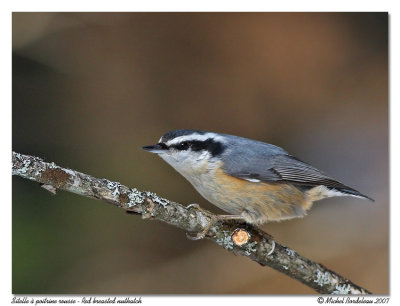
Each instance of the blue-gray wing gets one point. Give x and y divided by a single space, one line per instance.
282 168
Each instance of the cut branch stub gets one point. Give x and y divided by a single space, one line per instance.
238 238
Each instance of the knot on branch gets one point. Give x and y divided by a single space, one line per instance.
247 240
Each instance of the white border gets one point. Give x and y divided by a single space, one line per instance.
206 5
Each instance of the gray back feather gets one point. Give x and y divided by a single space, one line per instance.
269 163
251 159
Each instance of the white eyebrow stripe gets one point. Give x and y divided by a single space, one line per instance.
198 137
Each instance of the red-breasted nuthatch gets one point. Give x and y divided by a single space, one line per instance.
255 181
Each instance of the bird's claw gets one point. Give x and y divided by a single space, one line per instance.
198 236
272 249
203 233
213 220
197 207
194 205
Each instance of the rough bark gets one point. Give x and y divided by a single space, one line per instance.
238 238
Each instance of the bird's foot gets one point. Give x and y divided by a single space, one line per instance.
213 220
202 234
195 206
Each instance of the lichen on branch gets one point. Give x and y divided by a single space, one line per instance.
238 238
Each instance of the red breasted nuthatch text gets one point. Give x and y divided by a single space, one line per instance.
255 181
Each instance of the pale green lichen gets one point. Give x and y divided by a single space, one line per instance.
250 247
290 252
135 198
342 289
38 172
24 169
322 278
225 240
156 199
27 165
52 165
115 187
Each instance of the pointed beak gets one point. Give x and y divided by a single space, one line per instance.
158 149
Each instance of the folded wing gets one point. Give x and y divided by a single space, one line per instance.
285 168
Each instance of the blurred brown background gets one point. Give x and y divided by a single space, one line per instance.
89 89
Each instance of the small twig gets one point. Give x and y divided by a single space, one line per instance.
242 239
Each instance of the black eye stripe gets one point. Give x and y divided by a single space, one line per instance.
162 145
182 146
215 148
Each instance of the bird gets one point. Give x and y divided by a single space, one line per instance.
253 181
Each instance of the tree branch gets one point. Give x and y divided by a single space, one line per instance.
238 238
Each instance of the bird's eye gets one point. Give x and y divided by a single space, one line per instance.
183 146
